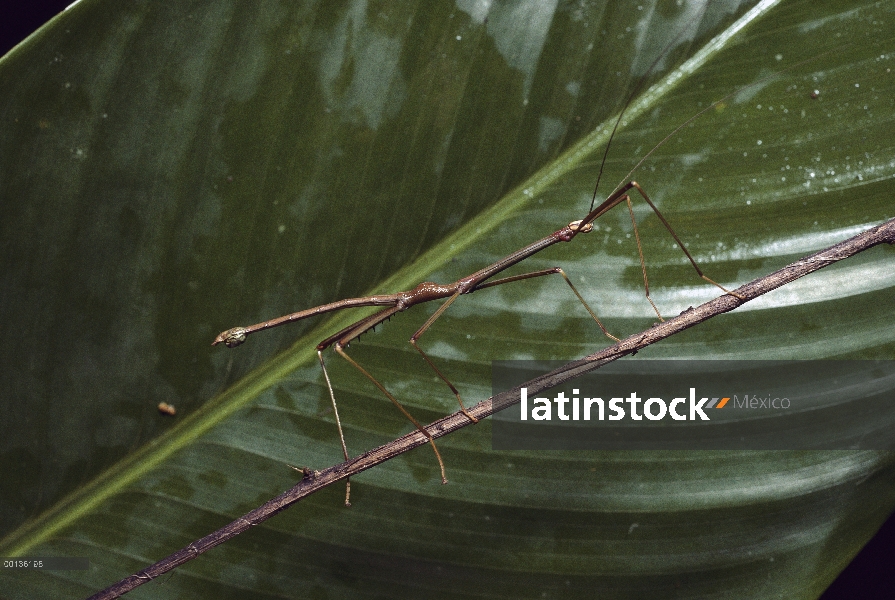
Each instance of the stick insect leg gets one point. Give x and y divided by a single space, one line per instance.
640 251
567 280
338 348
443 307
341 340
420 332
332 397
635 185
362 325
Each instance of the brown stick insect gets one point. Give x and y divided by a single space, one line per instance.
429 291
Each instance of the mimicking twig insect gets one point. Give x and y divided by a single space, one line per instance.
429 291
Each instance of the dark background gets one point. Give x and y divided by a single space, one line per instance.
870 576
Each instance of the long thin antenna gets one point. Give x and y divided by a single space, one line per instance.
636 91
713 105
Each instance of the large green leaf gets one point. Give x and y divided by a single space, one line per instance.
168 170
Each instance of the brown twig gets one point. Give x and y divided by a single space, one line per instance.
317 480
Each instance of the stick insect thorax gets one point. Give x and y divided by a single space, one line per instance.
428 291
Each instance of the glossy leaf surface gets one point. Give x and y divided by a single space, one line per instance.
171 170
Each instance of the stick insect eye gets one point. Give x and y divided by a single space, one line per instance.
577 227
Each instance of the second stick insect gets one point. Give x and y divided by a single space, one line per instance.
429 291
